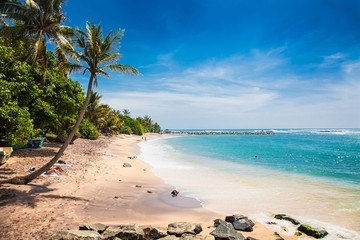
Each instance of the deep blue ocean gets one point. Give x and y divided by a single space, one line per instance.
313 174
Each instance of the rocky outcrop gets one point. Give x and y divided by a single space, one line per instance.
129 232
98 227
240 222
225 231
287 218
313 232
234 218
180 228
76 234
243 224
153 233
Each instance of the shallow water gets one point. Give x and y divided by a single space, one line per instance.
309 174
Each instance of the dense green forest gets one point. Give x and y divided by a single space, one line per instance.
29 108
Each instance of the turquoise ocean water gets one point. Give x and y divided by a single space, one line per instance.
311 174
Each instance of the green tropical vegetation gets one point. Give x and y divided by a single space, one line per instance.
36 94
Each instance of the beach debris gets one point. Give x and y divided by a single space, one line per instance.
116 197
129 232
313 232
174 193
127 165
298 234
133 157
243 224
138 186
153 233
98 227
76 234
287 218
225 231
180 228
61 162
149 191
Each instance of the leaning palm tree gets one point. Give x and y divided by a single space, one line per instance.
96 54
39 21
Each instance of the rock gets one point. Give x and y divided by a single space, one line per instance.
313 232
129 232
76 234
169 237
196 237
218 221
127 165
179 228
225 231
174 193
153 233
251 238
244 224
233 218
98 227
287 218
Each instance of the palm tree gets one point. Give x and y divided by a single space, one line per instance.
96 54
126 112
37 20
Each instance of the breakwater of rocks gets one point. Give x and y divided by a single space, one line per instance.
220 132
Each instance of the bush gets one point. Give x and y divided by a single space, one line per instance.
88 130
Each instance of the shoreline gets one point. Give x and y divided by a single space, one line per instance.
97 188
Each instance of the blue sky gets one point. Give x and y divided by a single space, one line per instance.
233 63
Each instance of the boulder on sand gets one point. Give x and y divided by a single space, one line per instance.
129 232
153 233
98 227
225 231
244 224
179 228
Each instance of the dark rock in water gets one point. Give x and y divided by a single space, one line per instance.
217 222
98 227
180 228
313 232
127 165
153 233
287 218
271 223
225 231
233 218
129 232
174 193
244 224
76 234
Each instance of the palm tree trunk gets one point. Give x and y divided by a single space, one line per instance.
28 178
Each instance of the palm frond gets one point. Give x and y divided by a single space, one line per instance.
123 68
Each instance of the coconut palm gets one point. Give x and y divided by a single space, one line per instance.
39 21
96 54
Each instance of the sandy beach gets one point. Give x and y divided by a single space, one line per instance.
97 188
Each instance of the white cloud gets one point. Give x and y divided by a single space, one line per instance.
257 91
